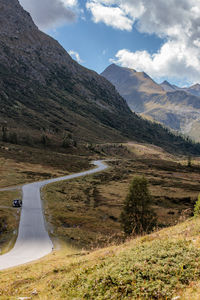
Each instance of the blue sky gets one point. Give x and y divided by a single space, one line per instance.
161 38
97 43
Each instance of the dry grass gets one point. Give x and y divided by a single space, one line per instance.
68 273
77 215
86 212
9 219
147 151
20 164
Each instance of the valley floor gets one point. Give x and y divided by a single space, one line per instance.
83 217
86 212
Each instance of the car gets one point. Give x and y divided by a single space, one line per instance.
17 203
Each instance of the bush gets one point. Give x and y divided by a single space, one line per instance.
197 207
4 134
13 138
137 216
68 141
45 140
151 270
189 163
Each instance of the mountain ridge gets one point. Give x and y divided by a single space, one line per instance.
130 83
44 91
168 87
31 60
174 107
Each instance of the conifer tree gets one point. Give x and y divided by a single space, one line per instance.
137 216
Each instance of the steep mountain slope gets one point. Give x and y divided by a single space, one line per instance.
42 87
43 90
177 108
132 85
167 86
194 89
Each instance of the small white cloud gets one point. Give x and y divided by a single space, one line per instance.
76 56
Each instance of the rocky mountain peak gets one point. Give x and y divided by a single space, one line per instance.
165 82
113 68
195 86
25 49
11 14
194 89
168 87
34 66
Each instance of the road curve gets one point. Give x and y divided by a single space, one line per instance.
33 241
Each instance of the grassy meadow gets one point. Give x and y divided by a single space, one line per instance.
91 257
162 265
86 211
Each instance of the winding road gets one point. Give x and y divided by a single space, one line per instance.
33 241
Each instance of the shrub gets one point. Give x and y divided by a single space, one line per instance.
13 138
137 216
189 163
4 134
197 207
45 140
68 141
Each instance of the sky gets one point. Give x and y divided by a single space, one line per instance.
159 37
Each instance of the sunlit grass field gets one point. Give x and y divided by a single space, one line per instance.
162 265
91 257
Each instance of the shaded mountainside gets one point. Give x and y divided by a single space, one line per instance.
177 108
194 89
43 89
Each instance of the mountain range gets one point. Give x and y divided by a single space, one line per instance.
42 89
174 107
193 90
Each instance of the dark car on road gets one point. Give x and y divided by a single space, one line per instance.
17 203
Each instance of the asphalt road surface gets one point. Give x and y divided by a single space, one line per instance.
33 241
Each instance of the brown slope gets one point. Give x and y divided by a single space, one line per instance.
194 89
171 106
134 86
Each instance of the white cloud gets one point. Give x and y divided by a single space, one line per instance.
49 14
75 55
113 16
177 21
70 3
173 60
